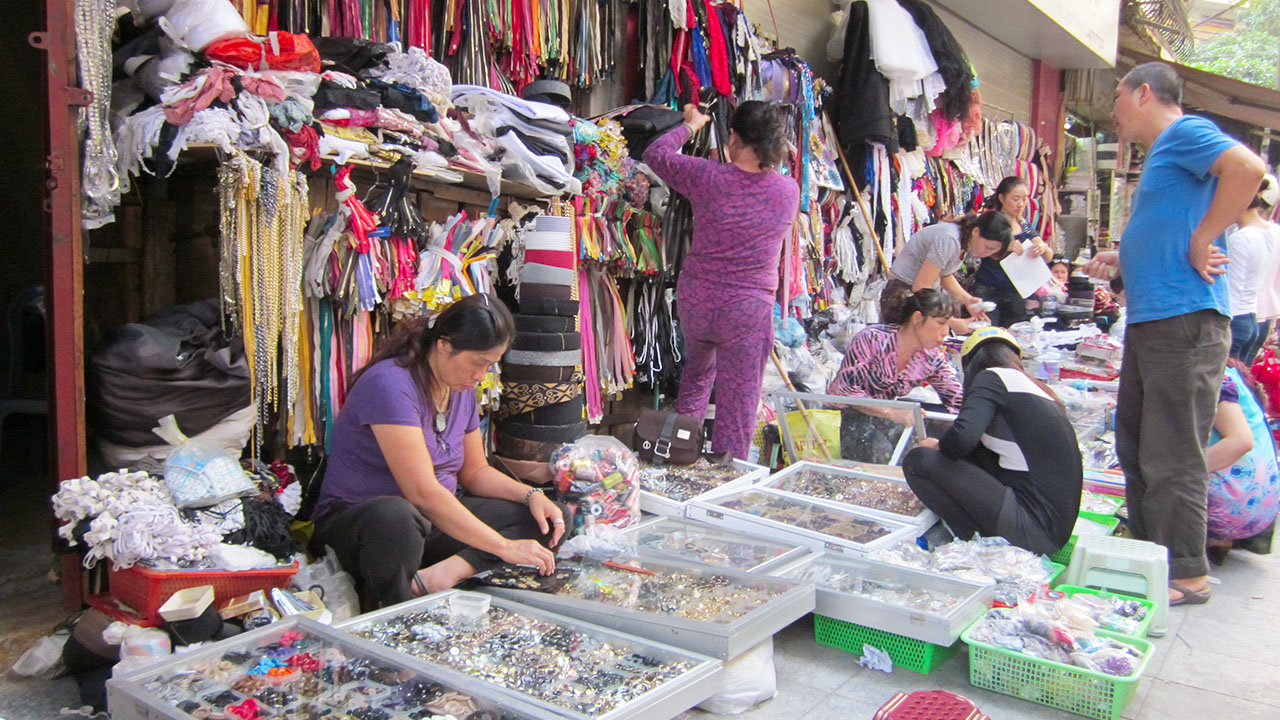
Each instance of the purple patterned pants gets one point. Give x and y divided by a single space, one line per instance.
727 341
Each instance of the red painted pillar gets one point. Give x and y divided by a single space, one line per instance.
1046 106
64 294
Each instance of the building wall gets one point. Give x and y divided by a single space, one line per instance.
1004 74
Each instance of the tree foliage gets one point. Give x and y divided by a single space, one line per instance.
1251 52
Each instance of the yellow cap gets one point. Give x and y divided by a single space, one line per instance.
984 334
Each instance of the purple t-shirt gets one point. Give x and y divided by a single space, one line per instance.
386 395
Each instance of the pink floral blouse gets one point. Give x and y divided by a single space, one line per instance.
870 370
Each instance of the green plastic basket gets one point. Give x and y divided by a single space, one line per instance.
907 653
1111 522
1055 571
1065 687
1141 632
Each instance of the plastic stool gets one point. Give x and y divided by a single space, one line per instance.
1123 565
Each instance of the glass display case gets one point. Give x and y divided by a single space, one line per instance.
770 514
707 545
668 490
567 666
921 605
936 423
714 611
839 430
872 495
303 670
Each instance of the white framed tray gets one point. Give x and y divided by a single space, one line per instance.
876 494
556 687
176 688
714 611
704 544
672 501
821 526
913 603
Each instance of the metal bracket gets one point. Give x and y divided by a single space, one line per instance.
73 95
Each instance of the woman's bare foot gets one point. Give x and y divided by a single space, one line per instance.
443 575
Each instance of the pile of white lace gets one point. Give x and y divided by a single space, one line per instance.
132 518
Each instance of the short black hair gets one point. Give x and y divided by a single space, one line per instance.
1160 77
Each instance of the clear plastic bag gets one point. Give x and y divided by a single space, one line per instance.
44 659
601 476
197 24
335 587
199 475
599 542
747 681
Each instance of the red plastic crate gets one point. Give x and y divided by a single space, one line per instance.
145 590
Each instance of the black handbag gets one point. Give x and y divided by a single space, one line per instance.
667 438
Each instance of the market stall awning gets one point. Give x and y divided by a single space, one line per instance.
1228 97
1063 34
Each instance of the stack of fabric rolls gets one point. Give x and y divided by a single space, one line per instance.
542 401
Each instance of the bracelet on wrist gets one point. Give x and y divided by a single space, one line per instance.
529 495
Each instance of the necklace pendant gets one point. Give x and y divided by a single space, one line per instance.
441 422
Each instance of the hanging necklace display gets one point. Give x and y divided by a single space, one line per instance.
262 224
100 184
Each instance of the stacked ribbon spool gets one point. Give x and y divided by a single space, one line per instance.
542 401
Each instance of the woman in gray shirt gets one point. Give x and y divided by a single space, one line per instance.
933 255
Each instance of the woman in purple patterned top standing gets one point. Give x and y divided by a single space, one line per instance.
742 212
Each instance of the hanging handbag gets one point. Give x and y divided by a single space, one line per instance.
667 438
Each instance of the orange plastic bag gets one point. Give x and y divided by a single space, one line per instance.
274 51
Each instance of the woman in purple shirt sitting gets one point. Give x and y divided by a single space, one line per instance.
742 212
409 502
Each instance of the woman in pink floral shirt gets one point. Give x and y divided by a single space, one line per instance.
889 361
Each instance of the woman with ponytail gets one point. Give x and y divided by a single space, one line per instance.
409 502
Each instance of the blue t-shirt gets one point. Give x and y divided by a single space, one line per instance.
1173 195
386 395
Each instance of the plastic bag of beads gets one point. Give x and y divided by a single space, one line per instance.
601 478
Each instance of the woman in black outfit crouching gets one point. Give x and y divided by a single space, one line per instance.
1010 465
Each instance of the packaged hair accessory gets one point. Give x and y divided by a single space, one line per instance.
199 475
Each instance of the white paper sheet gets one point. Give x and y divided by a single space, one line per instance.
1027 273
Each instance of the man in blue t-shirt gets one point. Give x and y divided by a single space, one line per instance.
1195 182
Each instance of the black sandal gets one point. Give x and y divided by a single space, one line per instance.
1189 596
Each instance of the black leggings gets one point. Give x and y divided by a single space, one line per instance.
972 500
382 542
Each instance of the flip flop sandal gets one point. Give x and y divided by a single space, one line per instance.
1189 596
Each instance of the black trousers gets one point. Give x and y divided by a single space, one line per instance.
382 542
973 500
